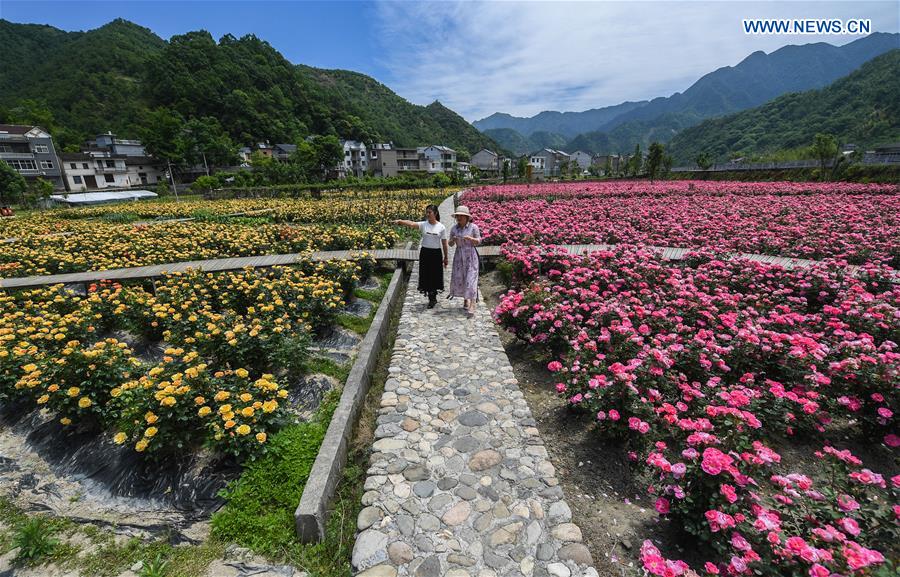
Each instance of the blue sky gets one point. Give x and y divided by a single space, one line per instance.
483 57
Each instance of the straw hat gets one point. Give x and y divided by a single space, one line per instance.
462 210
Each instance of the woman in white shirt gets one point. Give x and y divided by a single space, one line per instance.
432 253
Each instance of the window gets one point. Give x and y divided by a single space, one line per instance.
84 165
374 154
77 179
5 148
41 149
347 153
110 164
46 164
21 165
73 165
109 178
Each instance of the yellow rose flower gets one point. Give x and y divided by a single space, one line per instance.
141 445
242 373
261 437
151 417
29 367
120 438
222 395
150 432
168 401
199 400
204 411
66 421
243 430
247 411
269 406
73 391
246 397
53 388
84 402
43 399
229 424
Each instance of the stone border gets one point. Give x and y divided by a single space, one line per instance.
312 512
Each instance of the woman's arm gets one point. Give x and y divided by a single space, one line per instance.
452 237
446 252
475 237
409 223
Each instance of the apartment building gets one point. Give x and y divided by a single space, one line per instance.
30 151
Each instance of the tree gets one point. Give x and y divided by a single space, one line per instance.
203 141
39 189
12 184
636 161
655 159
564 168
521 167
161 134
505 169
825 147
666 165
441 181
607 168
703 161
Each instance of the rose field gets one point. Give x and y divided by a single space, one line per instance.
806 220
743 394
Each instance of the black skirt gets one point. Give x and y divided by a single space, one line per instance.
431 270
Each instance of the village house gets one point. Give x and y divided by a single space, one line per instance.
486 161
29 151
582 159
547 162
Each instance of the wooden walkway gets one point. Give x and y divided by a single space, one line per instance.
214 265
238 263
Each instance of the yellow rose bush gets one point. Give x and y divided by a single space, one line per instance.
76 385
222 339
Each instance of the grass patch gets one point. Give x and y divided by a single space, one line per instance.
186 561
261 504
358 325
328 367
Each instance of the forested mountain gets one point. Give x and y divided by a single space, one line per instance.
568 124
755 80
514 142
862 108
120 76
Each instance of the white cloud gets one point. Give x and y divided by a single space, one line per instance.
524 57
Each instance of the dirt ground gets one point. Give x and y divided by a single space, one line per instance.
608 501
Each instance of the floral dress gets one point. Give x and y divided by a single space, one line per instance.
464 278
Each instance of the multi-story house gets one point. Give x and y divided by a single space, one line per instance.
30 151
355 161
110 162
408 160
547 162
438 158
383 160
582 159
612 162
283 152
486 161
94 170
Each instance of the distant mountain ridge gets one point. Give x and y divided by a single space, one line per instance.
862 108
757 79
115 76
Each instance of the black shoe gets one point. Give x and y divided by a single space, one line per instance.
432 302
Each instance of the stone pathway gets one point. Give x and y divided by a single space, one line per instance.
460 484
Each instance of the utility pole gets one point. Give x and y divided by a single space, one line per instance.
204 162
172 178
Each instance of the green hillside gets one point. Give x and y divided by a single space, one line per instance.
119 76
862 108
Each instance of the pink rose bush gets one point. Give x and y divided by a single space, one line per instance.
701 366
856 222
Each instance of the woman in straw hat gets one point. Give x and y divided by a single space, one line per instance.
433 251
464 278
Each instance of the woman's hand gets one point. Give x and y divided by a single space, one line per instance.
445 261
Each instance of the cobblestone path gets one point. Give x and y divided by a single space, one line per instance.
459 483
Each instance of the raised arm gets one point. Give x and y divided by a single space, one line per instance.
475 237
409 223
